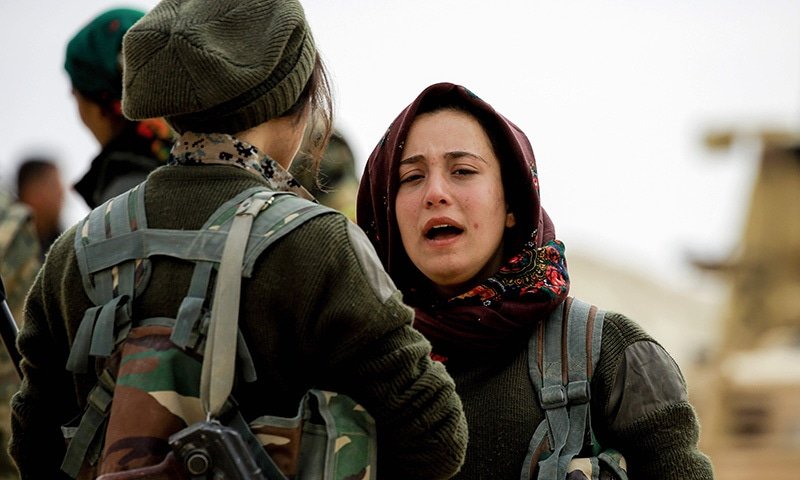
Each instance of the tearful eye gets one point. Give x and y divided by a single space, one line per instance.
410 178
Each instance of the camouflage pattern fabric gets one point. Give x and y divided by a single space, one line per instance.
19 251
609 465
331 438
19 263
223 149
161 383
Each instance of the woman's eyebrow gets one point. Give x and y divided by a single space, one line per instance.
411 159
455 154
460 153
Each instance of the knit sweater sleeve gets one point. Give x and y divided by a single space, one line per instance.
644 406
41 405
356 338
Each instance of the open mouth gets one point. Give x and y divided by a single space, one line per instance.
441 232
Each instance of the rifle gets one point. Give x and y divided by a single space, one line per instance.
8 329
203 450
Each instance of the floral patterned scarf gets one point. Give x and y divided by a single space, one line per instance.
533 279
223 149
502 309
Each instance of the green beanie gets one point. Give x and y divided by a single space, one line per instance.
219 66
93 55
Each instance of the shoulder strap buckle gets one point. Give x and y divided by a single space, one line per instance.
579 392
554 396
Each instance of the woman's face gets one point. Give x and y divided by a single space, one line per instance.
450 206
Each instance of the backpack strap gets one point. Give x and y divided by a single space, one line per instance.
113 247
216 381
193 306
238 256
110 289
109 321
285 214
562 356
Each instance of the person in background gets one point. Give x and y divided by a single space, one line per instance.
450 200
20 252
19 263
317 310
336 183
39 186
129 150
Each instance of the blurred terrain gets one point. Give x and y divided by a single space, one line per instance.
734 331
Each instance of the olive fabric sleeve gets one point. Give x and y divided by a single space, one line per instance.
644 406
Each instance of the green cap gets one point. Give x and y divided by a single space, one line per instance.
220 66
93 55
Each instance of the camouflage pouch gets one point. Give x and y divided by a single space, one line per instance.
607 465
158 381
147 375
602 464
331 438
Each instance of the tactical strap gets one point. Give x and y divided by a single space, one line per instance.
113 247
117 217
192 306
200 246
111 289
84 443
216 380
562 355
286 214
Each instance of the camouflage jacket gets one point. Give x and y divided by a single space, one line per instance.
19 251
318 311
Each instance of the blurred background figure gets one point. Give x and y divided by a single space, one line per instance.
338 183
19 250
19 263
39 186
129 150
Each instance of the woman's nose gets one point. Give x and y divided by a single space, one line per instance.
436 192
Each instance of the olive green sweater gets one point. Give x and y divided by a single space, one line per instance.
314 314
638 400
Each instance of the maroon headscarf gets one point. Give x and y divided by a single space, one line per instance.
533 279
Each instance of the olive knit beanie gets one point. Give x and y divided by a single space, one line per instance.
219 66
93 54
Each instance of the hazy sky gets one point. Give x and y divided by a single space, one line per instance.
615 96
